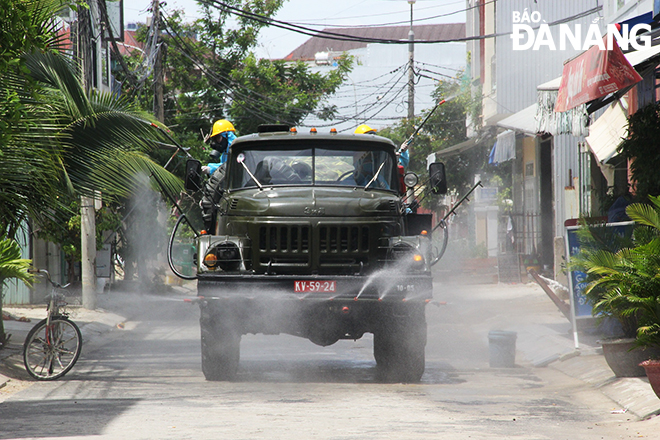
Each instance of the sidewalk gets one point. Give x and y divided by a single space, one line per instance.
91 323
545 339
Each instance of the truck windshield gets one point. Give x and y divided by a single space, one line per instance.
314 166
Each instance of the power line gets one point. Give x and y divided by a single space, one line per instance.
347 37
447 14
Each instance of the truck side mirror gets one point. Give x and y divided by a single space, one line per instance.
193 180
438 179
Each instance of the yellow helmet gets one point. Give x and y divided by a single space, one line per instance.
364 129
220 126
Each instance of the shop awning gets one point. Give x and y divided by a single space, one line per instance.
574 121
593 74
457 149
636 59
523 121
607 132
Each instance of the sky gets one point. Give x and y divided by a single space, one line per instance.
277 43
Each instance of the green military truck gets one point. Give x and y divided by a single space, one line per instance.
313 237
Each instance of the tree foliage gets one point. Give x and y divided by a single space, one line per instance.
212 73
626 284
445 128
58 141
642 147
281 92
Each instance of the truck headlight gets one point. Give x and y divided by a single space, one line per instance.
225 255
406 255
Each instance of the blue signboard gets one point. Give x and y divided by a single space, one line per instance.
577 279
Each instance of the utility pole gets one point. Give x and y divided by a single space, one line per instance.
89 54
411 61
159 111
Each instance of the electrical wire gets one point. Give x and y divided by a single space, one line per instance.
394 22
254 107
347 37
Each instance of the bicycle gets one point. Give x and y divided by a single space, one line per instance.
53 345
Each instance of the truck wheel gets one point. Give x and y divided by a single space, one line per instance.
220 349
399 350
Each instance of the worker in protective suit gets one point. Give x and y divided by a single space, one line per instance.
222 135
404 157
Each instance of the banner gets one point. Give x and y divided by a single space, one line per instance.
594 74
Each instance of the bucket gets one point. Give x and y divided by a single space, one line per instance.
502 347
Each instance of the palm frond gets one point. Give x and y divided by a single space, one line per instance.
645 214
11 263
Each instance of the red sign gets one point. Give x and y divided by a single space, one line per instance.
592 74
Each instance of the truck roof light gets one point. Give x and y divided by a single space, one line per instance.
312 130
333 131
293 130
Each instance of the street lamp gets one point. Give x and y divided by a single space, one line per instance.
411 60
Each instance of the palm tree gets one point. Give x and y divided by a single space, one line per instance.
12 266
61 139
627 282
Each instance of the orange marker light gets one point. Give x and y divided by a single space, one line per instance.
417 258
424 232
312 130
210 260
333 131
345 309
293 130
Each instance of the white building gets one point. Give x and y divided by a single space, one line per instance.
376 92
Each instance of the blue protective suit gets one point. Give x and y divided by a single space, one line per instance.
404 159
230 136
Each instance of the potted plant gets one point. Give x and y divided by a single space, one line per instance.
626 284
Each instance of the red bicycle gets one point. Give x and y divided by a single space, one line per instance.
53 345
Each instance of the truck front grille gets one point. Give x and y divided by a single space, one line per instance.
284 238
313 248
343 239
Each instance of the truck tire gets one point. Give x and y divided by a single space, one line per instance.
399 349
220 348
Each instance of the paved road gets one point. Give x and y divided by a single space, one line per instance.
145 382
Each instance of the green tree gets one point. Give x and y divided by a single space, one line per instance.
642 147
213 74
445 128
285 92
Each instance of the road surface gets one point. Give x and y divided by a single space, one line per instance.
144 381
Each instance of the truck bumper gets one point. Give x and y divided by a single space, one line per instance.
271 305
377 287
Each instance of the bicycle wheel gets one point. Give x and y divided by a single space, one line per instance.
50 351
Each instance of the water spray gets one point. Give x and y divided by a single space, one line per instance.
443 223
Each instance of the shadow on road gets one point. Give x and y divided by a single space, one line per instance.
46 418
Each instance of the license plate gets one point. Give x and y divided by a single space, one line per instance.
314 286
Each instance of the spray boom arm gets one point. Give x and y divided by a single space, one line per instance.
443 223
404 146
